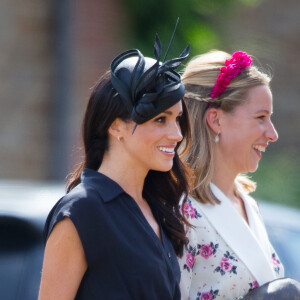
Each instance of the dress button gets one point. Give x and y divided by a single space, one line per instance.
169 254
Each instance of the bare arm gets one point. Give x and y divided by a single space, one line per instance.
64 263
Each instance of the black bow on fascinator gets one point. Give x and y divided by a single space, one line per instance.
146 85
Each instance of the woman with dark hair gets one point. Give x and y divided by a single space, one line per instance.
116 233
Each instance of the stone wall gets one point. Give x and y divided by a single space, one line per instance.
51 53
25 76
99 35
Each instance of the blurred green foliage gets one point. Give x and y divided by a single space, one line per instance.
277 179
198 23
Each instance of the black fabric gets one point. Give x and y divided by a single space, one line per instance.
147 86
126 260
283 288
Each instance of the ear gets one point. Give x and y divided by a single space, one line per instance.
115 129
213 117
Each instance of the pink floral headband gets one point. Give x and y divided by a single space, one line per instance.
240 60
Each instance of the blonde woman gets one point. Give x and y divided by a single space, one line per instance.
230 105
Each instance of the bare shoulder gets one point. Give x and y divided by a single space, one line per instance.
63 232
64 259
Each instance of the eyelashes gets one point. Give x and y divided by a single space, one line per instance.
179 118
160 120
163 119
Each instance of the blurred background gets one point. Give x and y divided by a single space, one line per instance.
52 52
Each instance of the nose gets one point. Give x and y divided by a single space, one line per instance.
271 133
175 133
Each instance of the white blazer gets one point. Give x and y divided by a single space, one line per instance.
226 257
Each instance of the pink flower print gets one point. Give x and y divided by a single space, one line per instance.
225 264
212 294
206 296
275 261
254 284
190 259
206 251
189 211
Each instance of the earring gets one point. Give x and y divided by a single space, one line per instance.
217 138
118 137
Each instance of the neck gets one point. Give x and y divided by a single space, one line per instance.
225 185
130 178
224 177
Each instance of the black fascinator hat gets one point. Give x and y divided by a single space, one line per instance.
146 85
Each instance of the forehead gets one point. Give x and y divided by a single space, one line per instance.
175 109
258 98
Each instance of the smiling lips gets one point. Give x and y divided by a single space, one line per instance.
258 149
169 151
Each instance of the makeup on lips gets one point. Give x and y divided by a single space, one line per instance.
168 150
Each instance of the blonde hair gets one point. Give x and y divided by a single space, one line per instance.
199 77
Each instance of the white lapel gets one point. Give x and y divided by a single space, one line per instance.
256 224
237 234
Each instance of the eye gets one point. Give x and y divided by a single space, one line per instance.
261 117
179 118
161 119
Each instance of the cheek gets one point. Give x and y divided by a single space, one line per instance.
232 138
256 133
236 143
149 135
144 141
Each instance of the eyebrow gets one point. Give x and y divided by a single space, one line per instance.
168 112
264 111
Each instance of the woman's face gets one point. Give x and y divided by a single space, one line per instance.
152 146
247 131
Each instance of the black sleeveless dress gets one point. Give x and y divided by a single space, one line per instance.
126 259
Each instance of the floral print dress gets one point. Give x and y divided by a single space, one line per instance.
225 257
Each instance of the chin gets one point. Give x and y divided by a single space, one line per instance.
253 169
165 168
